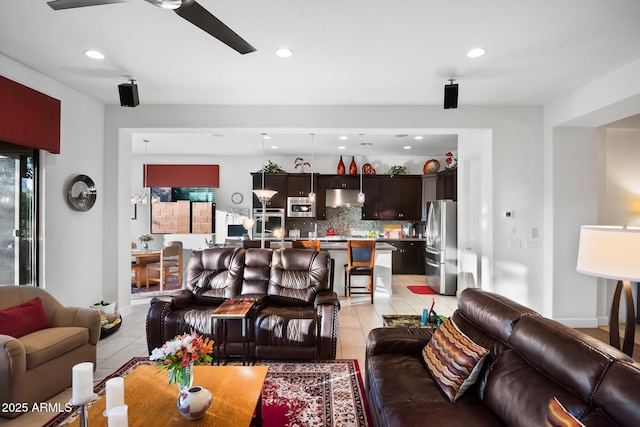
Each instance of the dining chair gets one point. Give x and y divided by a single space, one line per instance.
361 255
136 269
170 265
306 244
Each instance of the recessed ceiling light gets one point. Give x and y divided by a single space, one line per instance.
407 147
341 147
274 147
284 52
343 137
419 137
266 136
474 53
94 54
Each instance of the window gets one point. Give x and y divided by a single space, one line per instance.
18 215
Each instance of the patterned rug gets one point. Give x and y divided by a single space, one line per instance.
295 394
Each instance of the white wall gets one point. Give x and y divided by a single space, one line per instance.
71 246
515 164
574 172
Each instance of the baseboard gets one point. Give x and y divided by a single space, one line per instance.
579 322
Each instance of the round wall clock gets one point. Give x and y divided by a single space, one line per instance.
237 198
81 193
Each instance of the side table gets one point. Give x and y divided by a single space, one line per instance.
233 309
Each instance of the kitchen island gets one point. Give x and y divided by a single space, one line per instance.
338 251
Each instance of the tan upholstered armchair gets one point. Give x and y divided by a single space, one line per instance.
37 366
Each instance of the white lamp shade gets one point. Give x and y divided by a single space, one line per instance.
264 195
610 252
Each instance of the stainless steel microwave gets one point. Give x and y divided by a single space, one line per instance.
301 207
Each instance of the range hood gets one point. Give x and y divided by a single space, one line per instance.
338 198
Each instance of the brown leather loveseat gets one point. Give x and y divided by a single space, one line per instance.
531 360
295 315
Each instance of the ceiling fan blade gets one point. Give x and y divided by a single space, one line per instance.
200 17
71 4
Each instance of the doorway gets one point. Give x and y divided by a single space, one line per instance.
18 215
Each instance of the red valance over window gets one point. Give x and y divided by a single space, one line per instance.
29 118
181 176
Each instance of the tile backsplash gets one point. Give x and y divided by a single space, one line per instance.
344 221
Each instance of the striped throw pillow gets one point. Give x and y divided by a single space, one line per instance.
453 359
557 416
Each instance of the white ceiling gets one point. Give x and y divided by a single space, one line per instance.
355 52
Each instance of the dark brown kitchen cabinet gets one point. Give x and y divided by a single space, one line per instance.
332 182
409 257
448 184
340 181
397 198
299 185
272 181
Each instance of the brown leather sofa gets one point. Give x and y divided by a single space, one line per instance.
296 311
38 365
532 360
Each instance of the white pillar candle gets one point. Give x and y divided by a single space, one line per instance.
82 383
117 417
115 392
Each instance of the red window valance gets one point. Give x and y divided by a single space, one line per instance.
28 118
181 176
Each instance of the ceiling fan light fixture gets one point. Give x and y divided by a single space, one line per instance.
170 4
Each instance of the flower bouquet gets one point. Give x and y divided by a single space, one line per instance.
179 355
145 239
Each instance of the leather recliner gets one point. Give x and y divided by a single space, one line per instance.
295 315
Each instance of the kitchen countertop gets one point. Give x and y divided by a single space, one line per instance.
336 245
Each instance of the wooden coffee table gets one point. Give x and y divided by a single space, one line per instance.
406 321
237 395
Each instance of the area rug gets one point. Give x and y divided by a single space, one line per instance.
154 289
295 394
422 290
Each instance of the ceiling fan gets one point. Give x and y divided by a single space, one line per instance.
190 10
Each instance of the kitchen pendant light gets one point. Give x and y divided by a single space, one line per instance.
361 193
312 195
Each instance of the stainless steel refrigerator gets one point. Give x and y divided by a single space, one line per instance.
441 246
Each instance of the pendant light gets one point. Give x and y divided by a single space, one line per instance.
263 195
312 195
361 193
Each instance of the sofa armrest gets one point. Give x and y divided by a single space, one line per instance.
327 306
408 341
79 316
178 299
326 298
13 364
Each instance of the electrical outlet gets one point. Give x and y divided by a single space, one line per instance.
511 230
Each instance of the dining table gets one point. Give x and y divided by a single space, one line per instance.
140 259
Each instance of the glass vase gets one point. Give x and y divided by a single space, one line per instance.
145 245
183 377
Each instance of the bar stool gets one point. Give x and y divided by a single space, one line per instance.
360 257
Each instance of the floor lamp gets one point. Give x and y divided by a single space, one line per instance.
613 253
264 196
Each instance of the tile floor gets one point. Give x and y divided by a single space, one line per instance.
356 318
